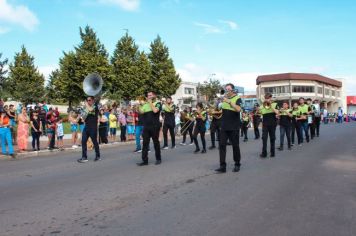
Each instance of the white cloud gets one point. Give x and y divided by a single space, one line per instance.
4 30
195 73
19 15
47 70
233 25
209 29
349 84
128 5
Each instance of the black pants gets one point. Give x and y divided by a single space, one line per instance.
92 133
295 130
285 131
43 127
215 130
148 133
312 130
233 136
36 140
170 128
53 140
244 131
256 130
271 131
103 138
317 125
190 130
123 133
199 130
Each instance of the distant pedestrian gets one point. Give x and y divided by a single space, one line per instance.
113 125
60 133
74 127
36 130
5 134
122 121
103 122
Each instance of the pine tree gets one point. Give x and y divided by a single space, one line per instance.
91 56
130 69
25 82
3 74
164 80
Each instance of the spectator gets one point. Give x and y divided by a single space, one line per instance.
138 128
130 124
122 122
339 115
22 130
42 115
113 125
56 112
103 121
12 116
5 134
51 129
60 134
36 130
74 127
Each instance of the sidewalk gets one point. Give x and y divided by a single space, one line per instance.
67 141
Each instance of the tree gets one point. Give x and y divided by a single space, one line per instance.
164 80
3 74
131 70
51 90
209 89
25 82
91 56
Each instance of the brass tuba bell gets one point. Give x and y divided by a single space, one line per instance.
92 84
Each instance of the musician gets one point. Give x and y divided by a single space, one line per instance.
90 129
256 119
296 114
245 123
187 125
285 125
311 124
215 125
230 125
151 126
317 116
303 121
269 110
201 117
169 122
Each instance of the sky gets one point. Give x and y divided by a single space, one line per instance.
231 40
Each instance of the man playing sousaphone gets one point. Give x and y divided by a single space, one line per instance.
90 129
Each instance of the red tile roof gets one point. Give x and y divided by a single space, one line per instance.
298 76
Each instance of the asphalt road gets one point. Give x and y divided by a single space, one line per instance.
310 190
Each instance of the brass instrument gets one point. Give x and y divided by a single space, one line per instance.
214 112
92 86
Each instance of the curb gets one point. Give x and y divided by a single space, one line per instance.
24 155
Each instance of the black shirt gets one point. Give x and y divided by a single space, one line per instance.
169 117
92 118
230 120
36 124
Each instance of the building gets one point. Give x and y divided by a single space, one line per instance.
186 95
248 102
291 86
351 104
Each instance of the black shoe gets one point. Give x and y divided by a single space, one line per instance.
142 163
236 168
262 155
13 155
158 162
245 140
272 155
289 148
203 151
280 148
196 151
82 160
256 138
221 170
292 144
164 147
97 159
212 147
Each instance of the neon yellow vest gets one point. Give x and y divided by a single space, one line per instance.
227 106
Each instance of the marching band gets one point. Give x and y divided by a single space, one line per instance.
227 118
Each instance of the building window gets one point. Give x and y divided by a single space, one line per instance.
338 94
327 92
277 89
303 89
320 90
189 91
333 93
